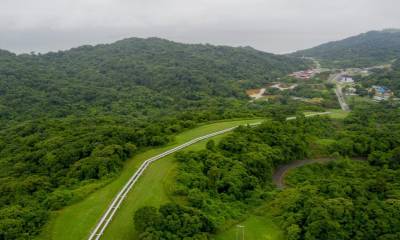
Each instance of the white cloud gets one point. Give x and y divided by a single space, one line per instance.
270 25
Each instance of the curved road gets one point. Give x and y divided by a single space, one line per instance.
280 173
117 201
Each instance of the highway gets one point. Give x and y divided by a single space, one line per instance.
338 91
119 198
342 102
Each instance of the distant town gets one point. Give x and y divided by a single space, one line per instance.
346 80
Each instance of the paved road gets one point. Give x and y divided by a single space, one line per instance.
117 201
342 101
334 78
280 173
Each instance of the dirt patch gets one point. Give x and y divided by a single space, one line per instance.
252 92
256 93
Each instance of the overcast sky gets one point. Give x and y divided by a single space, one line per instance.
277 26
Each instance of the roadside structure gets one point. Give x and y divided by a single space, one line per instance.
346 79
380 93
304 75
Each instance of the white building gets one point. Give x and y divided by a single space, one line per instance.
347 79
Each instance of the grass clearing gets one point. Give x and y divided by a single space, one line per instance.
76 221
334 113
338 113
255 228
355 100
153 189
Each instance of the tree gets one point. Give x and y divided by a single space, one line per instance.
210 145
146 217
293 232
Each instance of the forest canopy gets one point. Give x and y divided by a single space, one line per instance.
344 199
72 118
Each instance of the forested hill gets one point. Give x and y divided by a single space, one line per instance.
129 74
71 118
367 49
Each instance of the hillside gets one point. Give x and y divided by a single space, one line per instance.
129 74
367 49
69 120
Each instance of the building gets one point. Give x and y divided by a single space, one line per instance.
381 93
346 79
305 75
379 89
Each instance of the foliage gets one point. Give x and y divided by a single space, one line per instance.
73 117
172 221
348 199
136 77
342 200
369 130
226 180
315 90
384 77
367 49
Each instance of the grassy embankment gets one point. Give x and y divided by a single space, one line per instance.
76 221
358 100
334 113
153 189
255 228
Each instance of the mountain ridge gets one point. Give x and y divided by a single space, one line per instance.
362 50
154 67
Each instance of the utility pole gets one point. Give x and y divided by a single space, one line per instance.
239 235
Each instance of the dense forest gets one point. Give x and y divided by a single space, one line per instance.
367 49
130 77
342 200
348 199
228 179
71 118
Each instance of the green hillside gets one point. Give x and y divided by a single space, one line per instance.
69 120
130 77
367 49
